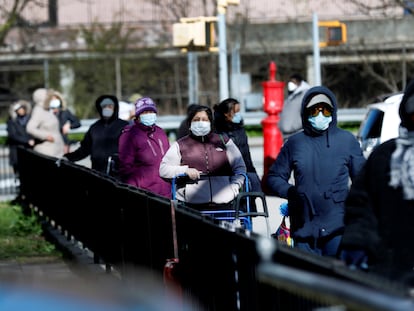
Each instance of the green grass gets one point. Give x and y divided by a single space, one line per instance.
21 235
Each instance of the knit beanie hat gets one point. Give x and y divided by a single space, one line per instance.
144 104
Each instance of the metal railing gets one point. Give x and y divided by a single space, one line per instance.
9 183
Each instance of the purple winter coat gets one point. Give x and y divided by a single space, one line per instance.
141 149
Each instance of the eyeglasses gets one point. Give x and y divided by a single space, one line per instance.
314 110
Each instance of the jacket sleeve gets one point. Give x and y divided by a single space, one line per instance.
236 162
32 127
170 163
13 136
84 149
279 173
74 121
357 159
361 226
126 150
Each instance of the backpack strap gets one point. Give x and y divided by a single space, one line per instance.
222 140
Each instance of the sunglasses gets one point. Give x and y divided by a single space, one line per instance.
314 110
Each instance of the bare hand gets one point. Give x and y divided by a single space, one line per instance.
66 128
193 173
50 138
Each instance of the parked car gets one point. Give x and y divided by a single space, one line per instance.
380 124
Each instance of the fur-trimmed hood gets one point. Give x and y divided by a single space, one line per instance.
50 95
14 106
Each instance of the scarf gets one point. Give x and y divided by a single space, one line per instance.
402 163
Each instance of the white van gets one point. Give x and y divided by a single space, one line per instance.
380 124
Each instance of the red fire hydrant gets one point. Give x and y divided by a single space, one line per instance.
272 137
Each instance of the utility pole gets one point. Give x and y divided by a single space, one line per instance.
222 45
223 71
316 51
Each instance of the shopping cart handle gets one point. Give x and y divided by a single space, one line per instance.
174 184
260 195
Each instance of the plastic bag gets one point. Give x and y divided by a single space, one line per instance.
282 233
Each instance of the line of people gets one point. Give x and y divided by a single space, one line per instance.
340 204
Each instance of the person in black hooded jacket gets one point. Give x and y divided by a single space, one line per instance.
323 158
228 120
101 140
379 211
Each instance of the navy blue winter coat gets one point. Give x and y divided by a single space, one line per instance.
322 163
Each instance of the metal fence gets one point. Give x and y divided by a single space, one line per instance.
9 183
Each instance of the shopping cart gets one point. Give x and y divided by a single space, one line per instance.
238 215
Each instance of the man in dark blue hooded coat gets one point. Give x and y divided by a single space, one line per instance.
323 159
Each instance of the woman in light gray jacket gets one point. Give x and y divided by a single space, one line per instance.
212 162
44 127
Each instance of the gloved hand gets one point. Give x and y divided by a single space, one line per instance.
355 259
284 209
296 212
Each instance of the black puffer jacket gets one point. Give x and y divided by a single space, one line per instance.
101 140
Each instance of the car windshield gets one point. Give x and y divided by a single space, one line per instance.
371 127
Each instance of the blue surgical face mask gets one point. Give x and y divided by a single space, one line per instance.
320 122
107 112
237 118
148 119
200 128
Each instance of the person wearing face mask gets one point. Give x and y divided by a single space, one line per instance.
212 162
101 140
323 159
228 121
141 148
290 120
67 120
19 115
379 231
44 127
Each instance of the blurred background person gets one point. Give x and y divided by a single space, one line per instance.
379 230
184 129
19 115
290 118
44 126
101 140
141 148
213 164
229 121
126 111
67 120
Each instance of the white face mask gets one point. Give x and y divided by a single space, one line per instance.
148 119
200 128
107 112
291 86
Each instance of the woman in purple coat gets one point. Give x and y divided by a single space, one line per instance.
142 145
